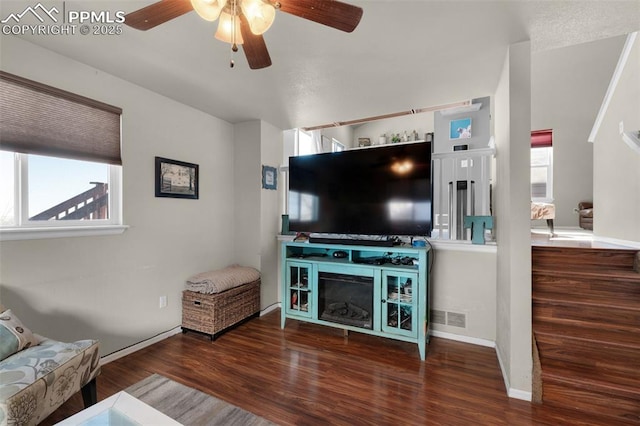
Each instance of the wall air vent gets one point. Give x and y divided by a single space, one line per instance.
456 319
438 317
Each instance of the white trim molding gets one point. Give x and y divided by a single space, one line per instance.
511 392
463 245
158 338
268 309
463 339
141 345
14 234
632 140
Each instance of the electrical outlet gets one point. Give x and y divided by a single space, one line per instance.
163 301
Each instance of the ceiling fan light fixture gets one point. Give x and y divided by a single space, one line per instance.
209 10
260 14
227 26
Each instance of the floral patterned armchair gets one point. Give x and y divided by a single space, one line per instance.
38 378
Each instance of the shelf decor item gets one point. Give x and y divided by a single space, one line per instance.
364 142
176 179
269 177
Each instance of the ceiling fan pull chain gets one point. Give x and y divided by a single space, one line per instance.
234 49
234 45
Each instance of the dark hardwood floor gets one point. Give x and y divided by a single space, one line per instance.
311 375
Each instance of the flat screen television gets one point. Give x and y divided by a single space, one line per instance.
373 191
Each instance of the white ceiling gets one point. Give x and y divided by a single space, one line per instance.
403 55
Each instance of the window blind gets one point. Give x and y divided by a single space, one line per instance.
43 120
541 138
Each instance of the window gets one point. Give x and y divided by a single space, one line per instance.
542 165
305 144
60 162
41 191
336 146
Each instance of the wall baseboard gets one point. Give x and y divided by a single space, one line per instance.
140 345
511 392
155 339
270 308
464 339
520 394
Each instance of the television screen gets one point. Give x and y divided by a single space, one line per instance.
384 190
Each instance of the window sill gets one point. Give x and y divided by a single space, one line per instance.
464 245
16 234
542 200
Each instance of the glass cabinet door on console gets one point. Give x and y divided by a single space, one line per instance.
298 297
399 297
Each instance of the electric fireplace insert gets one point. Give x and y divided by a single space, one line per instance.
346 299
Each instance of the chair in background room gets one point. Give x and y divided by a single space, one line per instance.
545 211
585 215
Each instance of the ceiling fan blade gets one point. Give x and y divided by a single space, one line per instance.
335 14
157 13
254 47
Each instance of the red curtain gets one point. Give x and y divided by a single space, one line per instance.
541 138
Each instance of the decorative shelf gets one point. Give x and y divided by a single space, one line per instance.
631 139
462 109
386 144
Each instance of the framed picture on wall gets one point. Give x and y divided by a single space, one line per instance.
460 129
176 179
269 177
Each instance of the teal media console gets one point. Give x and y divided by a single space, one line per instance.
383 291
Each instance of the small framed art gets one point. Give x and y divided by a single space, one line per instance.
176 179
269 177
460 129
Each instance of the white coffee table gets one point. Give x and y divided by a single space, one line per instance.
120 409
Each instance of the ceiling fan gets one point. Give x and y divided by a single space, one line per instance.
242 22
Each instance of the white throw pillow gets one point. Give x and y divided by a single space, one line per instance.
14 336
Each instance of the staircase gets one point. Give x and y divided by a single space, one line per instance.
90 204
586 321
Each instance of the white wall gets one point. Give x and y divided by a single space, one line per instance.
270 201
257 210
512 200
616 166
463 280
108 287
567 88
247 177
480 128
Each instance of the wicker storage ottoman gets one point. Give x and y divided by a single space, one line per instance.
214 313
